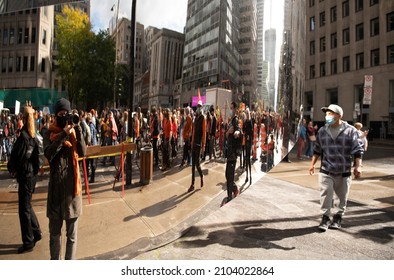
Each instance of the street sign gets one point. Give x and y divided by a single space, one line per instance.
368 80
367 96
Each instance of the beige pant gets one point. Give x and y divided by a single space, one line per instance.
334 192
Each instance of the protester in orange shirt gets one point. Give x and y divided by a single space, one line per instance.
136 129
174 138
166 144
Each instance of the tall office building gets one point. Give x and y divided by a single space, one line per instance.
211 57
350 61
121 34
248 51
280 49
261 70
150 33
165 67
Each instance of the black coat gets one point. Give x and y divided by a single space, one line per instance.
233 145
24 161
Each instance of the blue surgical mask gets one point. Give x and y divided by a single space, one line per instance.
330 120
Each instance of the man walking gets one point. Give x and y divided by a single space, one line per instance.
198 144
233 144
155 134
337 143
186 133
212 133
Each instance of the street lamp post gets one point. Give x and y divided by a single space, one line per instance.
131 94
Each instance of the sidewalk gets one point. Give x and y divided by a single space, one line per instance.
275 218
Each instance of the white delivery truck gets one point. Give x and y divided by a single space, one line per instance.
218 97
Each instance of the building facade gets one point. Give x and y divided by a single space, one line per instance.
165 67
248 51
26 49
121 34
348 43
211 57
28 52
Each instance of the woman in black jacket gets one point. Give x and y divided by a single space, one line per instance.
24 164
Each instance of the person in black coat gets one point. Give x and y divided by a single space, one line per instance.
248 132
24 164
233 147
63 145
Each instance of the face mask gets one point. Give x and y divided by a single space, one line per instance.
61 121
198 111
330 120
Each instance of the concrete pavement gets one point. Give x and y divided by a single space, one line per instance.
274 218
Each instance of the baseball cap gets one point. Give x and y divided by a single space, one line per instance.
199 103
333 108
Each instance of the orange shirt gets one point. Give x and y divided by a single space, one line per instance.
187 129
174 128
137 128
166 128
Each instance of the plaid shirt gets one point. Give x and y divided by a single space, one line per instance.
337 155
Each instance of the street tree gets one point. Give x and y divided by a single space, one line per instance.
98 72
85 59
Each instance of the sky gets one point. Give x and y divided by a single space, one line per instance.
170 14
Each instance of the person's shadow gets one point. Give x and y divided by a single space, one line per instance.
250 235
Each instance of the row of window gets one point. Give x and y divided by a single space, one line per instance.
21 64
9 37
374 23
358 5
21 12
375 60
359 35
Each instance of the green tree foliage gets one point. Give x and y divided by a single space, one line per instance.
85 60
99 71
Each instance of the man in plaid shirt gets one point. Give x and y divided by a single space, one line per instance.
338 144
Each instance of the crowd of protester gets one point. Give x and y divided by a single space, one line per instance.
168 131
